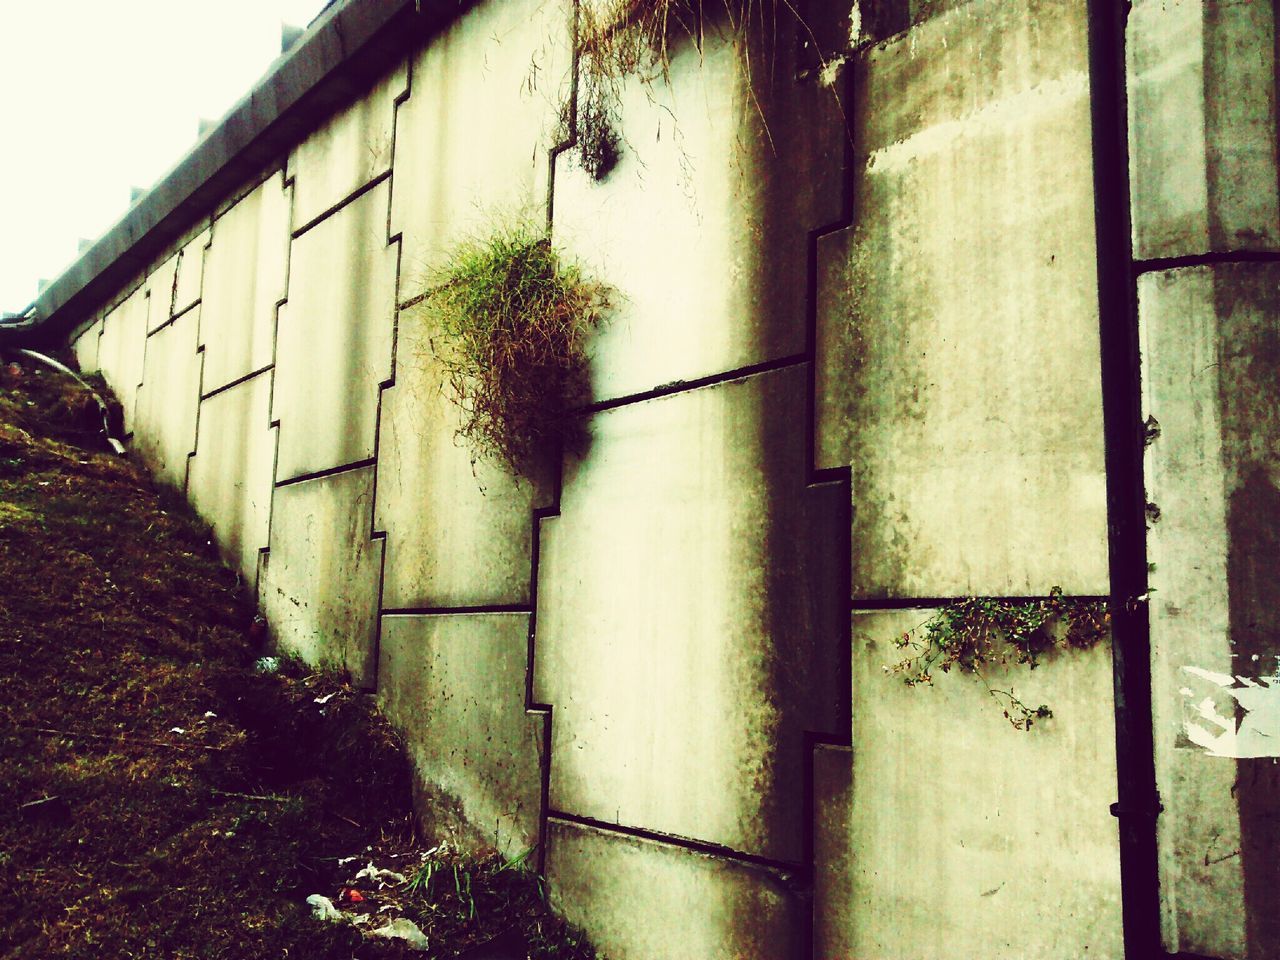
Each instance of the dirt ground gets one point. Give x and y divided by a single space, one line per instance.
165 792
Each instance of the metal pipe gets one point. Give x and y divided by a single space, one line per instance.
112 443
1138 804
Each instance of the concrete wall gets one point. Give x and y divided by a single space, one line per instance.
852 373
957 346
1205 213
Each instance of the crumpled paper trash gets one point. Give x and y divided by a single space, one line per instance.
384 877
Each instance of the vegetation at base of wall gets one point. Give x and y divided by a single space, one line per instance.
975 633
166 793
511 321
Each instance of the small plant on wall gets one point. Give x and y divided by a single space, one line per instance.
975 633
618 39
511 321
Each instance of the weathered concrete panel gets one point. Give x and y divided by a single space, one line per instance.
472 139
349 151
456 685
834 890
85 348
190 272
319 586
169 398
689 612
702 227
229 481
246 269
334 339
1202 105
970 838
458 534
160 300
958 321
121 351
1212 374
640 899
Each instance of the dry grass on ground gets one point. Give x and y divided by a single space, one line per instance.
161 798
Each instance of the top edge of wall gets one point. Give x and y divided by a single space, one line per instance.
345 48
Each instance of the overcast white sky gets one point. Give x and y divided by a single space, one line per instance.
97 96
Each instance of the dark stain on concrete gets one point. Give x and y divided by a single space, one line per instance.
800 160
1247 300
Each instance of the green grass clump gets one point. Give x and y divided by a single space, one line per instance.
512 321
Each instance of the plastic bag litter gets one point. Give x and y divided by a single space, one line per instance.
405 930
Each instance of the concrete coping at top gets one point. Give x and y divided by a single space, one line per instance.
349 45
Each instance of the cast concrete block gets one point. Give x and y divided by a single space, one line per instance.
455 685
1211 375
702 229
689 617
968 837
230 477
640 899
958 321
834 854
85 348
352 148
334 339
459 533
190 272
160 285
472 140
319 581
121 351
1202 127
246 269
169 399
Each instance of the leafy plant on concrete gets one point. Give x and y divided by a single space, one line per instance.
512 320
974 633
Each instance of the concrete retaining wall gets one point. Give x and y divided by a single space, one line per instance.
853 373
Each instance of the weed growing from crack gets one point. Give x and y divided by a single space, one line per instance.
512 320
976 632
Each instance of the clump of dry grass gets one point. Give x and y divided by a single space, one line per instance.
618 39
624 37
512 321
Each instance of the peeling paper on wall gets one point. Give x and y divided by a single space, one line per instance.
855 25
1233 715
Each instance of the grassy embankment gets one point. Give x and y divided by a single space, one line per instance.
161 797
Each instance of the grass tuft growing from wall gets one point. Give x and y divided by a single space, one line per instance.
618 39
512 320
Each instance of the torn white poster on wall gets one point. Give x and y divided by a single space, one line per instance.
1232 715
